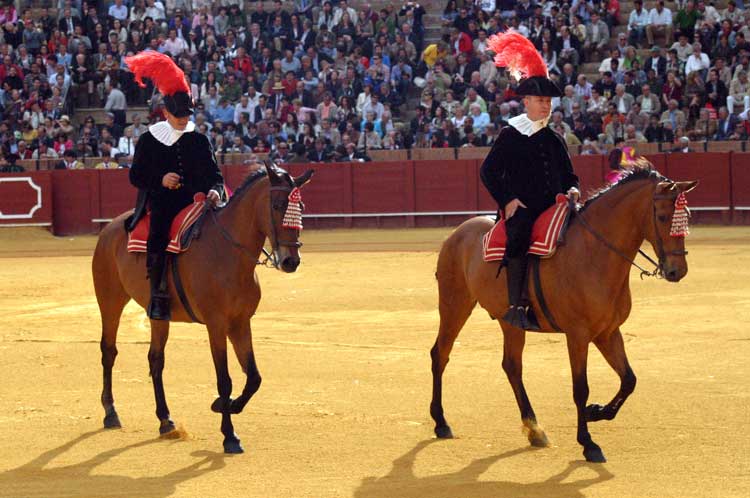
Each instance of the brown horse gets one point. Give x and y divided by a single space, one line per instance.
219 279
585 286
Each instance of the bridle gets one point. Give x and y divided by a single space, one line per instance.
658 270
271 259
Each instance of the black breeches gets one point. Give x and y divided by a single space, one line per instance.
161 221
518 229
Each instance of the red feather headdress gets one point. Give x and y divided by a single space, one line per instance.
516 53
160 69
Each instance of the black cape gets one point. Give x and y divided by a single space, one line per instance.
192 157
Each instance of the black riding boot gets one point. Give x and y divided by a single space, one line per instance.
519 314
158 307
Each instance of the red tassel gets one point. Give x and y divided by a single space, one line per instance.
160 69
516 53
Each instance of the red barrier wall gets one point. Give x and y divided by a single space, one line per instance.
26 199
403 194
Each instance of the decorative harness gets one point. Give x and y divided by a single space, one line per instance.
679 228
292 219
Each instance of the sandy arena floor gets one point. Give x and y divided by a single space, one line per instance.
343 411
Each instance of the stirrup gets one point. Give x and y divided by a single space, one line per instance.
533 323
158 307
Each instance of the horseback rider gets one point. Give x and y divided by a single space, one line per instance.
171 163
527 166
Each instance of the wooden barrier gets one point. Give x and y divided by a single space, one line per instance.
388 155
728 146
381 194
433 154
26 199
473 152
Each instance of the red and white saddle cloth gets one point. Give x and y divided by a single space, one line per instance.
544 235
181 224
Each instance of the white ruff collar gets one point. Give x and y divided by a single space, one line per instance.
164 133
527 127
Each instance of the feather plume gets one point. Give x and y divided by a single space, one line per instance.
516 53
160 69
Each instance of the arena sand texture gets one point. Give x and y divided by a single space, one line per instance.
343 411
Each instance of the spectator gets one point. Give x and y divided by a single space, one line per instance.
725 125
660 23
637 24
739 91
673 115
69 161
320 154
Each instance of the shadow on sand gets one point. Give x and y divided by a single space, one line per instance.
402 483
36 479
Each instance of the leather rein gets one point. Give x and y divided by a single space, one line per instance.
271 259
658 270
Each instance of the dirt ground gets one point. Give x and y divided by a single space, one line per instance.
343 411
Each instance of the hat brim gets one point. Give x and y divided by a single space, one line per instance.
539 86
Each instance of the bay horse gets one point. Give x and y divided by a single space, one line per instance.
219 280
585 286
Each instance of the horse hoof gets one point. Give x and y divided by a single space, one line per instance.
594 413
539 440
166 428
594 455
233 447
112 421
443 432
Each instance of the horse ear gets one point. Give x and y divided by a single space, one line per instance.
663 187
686 187
273 173
303 178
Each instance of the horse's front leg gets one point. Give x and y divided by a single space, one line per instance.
218 339
159 336
242 340
578 354
613 349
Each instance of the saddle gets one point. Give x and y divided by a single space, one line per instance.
547 233
185 227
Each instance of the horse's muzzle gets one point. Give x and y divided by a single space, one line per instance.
290 264
674 274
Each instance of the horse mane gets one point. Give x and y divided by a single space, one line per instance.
248 182
645 172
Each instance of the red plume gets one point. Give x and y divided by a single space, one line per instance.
518 54
160 69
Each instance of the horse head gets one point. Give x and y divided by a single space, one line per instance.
285 215
667 235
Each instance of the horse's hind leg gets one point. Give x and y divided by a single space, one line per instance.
217 336
514 340
455 308
112 298
159 336
613 349
242 340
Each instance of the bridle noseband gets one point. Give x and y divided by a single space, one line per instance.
658 270
271 259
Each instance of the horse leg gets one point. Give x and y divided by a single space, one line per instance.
455 308
514 340
159 336
613 350
242 340
578 354
112 298
222 404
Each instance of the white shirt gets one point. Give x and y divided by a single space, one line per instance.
126 146
527 127
665 17
164 133
637 20
697 63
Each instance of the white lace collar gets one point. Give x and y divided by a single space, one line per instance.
527 127
164 133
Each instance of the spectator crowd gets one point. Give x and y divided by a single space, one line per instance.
331 80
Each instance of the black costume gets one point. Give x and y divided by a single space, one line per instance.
528 162
191 157
160 151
